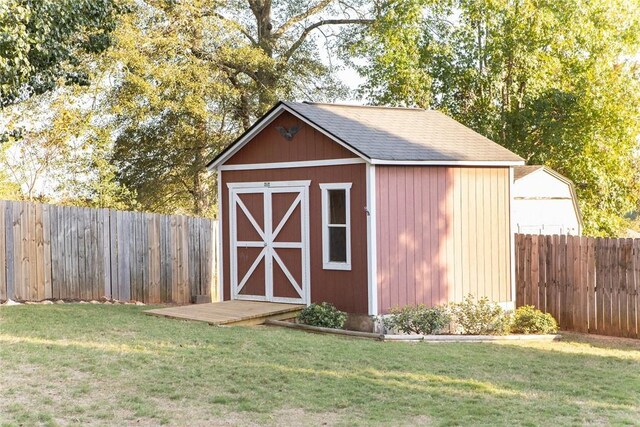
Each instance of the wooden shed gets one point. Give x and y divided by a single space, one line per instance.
544 202
364 207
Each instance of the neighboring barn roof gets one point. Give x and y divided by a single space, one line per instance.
522 171
394 134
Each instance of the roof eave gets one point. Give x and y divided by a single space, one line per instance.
500 163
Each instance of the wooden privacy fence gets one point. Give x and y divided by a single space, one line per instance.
60 252
588 284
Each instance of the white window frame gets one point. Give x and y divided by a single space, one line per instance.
326 264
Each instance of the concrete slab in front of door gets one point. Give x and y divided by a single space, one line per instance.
231 312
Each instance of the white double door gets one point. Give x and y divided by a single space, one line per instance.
269 241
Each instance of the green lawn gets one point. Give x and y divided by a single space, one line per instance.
113 365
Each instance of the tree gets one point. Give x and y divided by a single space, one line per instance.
189 76
556 82
43 41
394 51
46 45
9 190
55 152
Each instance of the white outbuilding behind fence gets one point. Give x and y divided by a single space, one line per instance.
544 202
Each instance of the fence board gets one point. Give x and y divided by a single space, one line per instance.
542 284
46 249
164 259
84 254
58 261
575 309
124 266
567 280
634 301
93 269
97 253
39 286
29 262
581 286
552 287
535 272
175 251
587 284
9 247
608 297
75 243
623 294
19 283
591 285
183 233
144 228
563 279
56 252
3 253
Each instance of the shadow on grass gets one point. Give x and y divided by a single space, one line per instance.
188 366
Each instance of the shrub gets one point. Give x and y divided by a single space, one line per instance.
529 320
418 319
324 315
480 317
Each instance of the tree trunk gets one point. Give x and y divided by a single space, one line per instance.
267 77
200 188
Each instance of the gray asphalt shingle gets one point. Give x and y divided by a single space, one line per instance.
403 134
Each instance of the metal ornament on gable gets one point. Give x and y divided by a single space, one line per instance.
288 134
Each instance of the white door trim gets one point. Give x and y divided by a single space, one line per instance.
220 238
268 184
268 234
372 251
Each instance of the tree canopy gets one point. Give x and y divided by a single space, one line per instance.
139 96
201 75
556 82
43 42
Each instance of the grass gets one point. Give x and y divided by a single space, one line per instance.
111 365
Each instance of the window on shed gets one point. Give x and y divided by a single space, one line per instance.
336 226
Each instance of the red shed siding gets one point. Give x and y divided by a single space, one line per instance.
346 289
442 233
270 146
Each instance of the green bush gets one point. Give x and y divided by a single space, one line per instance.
324 315
418 319
529 320
480 317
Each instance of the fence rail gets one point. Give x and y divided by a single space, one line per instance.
588 284
60 252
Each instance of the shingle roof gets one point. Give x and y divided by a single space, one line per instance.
392 134
408 134
522 171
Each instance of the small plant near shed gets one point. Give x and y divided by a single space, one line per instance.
325 315
418 319
529 320
480 317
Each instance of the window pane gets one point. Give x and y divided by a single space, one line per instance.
337 207
338 244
